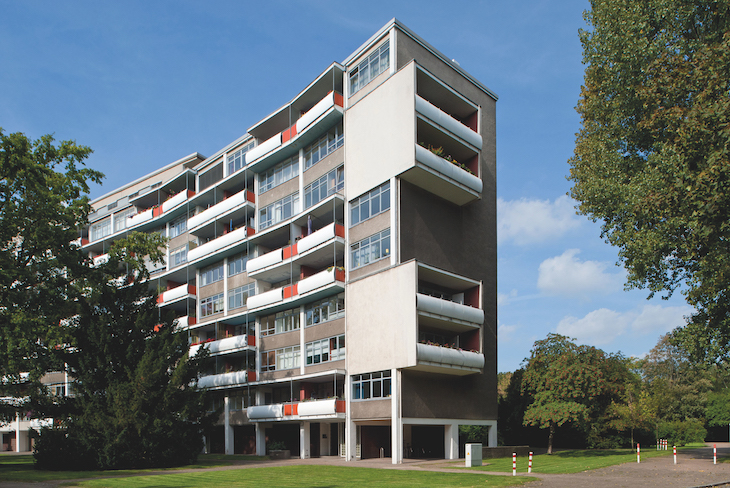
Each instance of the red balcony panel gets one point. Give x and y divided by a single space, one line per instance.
471 297
192 320
191 290
340 275
251 340
289 134
251 376
84 241
339 100
290 251
290 291
340 406
291 409
340 230
157 211
250 196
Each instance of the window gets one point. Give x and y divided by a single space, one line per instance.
279 174
237 160
370 249
210 177
211 274
100 230
325 310
278 211
238 296
120 218
211 305
325 186
370 204
284 358
326 144
178 226
237 264
284 321
378 62
178 256
371 385
331 349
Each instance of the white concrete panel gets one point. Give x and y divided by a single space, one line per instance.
378 131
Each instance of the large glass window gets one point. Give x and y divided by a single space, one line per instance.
211 305
331 349
237 264
370 204
279 174
237 160
325 186
100 230
371 385
178 256
315 152
370 249
178 226
284 358
211 274
378 62
120 219
325 310
284 321
279 211
237 297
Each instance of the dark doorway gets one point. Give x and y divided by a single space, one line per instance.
373 438
428 441
286 433
314 439
334 436
244 439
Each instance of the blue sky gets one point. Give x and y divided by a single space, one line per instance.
146 83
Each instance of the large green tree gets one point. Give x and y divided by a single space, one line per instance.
571 383
652 157
43 202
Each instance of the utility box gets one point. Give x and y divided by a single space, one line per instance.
473 455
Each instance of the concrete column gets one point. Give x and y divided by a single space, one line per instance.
451 441
349 426
227 427
396 424
260 440
17 432
304 440
492 436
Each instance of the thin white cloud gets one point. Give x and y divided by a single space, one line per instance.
506 298
603 326
566 275
505 333
526 221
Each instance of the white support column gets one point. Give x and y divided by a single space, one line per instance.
304 440
227 427
17 432
396 423
349 427
260 440
451 441
492 436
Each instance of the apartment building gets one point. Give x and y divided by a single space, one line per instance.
338 260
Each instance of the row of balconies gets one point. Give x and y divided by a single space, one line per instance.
313 409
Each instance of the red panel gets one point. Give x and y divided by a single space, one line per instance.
340 275
251 340
250 196
288 134
339 100
340 406
190 193
157 211
471 297
252 376
192 320
340 230
290 251
191 290
159 298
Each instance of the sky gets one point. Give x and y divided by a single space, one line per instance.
147 83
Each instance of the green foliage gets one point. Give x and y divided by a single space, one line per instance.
571 384
651 159
42 204
682 432
718 408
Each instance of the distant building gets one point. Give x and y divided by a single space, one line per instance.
338 259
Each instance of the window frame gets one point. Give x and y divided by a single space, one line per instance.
381 194
245 291
214 303
374 64
365 248
326 185
212 274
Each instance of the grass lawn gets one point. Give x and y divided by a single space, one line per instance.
309 476
575 461
15 467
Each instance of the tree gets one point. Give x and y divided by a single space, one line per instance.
42 205
635 410
569 383
135 403
652 156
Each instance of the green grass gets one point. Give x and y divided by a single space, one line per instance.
564 462
309 476
15 467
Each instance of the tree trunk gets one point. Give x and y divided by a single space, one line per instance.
550 437
632 436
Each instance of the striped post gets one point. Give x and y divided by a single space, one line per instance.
529 464
714 454
675 454
514 464
638 453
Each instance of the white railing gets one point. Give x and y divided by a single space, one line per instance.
449 357
318 407
217 209
229 344
225 379
266 298
316 238
446 308
313 114
139 218
265 260
448 169
174 201
315 281
101 259
265 147
449 123
265 412
174 294
217 244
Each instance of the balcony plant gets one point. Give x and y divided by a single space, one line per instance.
439 151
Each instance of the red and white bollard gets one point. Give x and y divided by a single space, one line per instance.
675 454
514 464
529 464
638 453
714 454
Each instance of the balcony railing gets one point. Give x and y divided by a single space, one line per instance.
449 309
312 283
447 122
440 356
176 200
448 169
227 345
175 294
101 259
143 216
329 408
219 243
227 379
222 207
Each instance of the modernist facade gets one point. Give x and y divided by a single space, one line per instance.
338 260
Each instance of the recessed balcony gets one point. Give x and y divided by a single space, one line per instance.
233 378
448 123
324 283
440 359
176 294
220 243
228 345
309 410
448 315
228 208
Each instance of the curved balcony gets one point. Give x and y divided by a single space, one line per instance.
177 199
446 360
447 122
227 379
428 305
448 169
225 346
217 210
221 242
261 412
101 259
310 410
143 216
323 283
176 294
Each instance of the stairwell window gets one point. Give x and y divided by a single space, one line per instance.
378 62
371 385
369 205
370 249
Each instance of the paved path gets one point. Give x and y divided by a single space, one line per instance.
693 469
